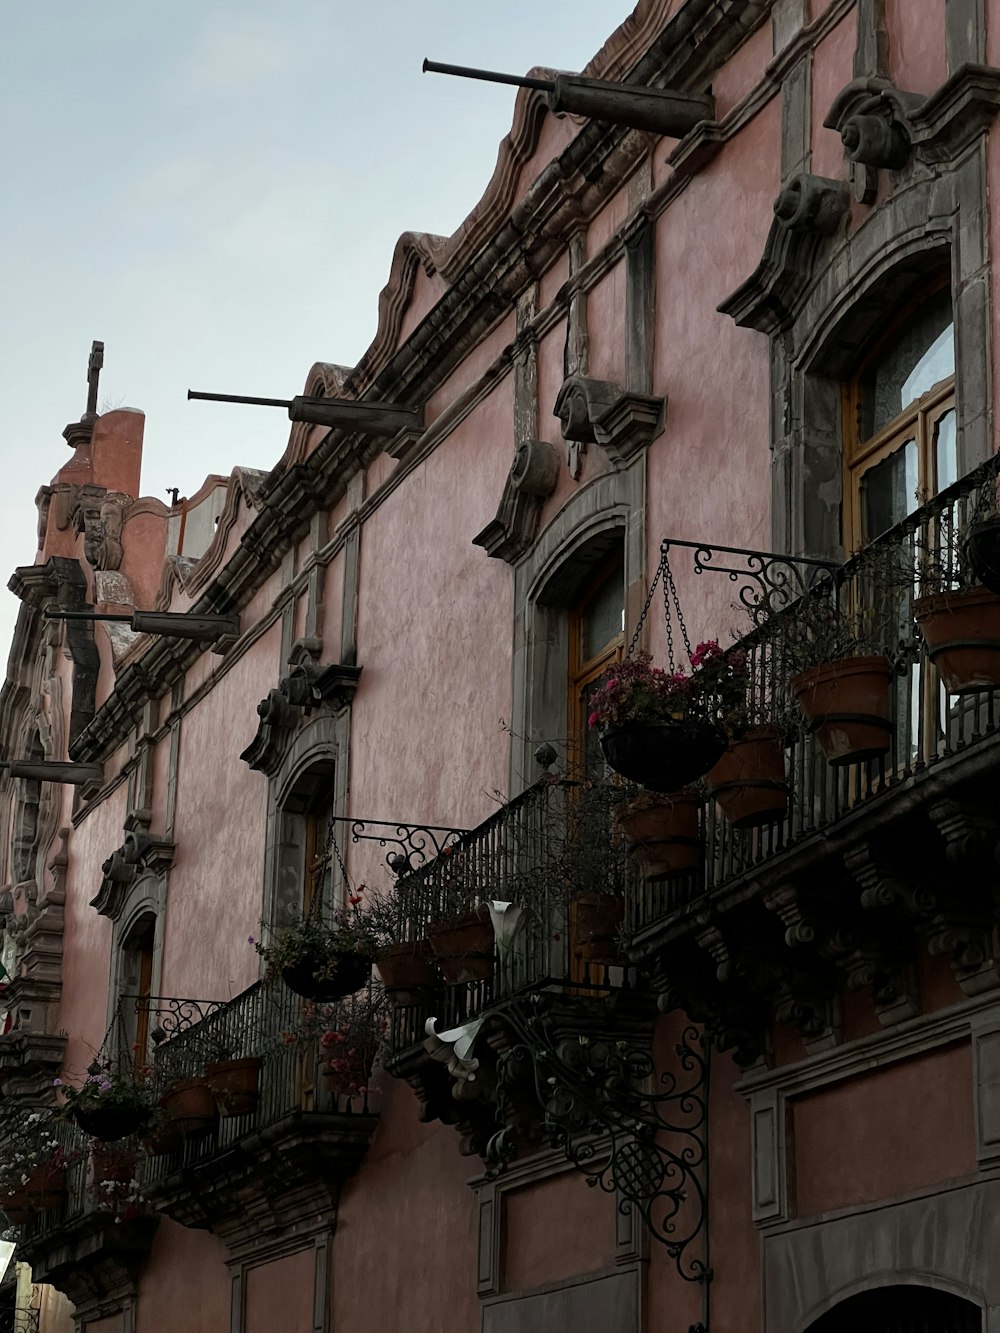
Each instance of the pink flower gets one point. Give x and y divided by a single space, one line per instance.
610 683
354 899
593 720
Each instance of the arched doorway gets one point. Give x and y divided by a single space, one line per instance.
901 1309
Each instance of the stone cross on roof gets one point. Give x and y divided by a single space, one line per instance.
94 367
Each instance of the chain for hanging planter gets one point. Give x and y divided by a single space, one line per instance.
115 1099
658 727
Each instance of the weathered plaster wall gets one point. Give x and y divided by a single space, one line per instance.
832 69
217 875
907 1127
279 1294
917 60
557 1229
184 1286
434 620
87 936
410 1197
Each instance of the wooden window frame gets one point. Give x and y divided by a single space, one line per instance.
917 421
581 673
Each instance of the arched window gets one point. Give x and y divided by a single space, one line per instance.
901 1309
901 446
135 981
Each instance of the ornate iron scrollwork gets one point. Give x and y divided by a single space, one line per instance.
633 1132
771 581
415 844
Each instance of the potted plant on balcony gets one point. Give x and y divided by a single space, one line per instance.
748 784
187 1110
663 729
321 958
109 1105
464 945
662 831
33 1166
233 1080
832 651
113 1183
958 607
405 960
351 1038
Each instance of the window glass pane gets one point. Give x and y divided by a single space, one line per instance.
889 491
923 355
946 450
604 618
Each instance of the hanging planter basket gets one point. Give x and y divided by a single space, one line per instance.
235 1085
847 704
982 551
962 634
748 783
344 973
465 947
665 836
111 1121
664 756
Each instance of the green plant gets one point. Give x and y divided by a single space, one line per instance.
318 943
636 691
106 1086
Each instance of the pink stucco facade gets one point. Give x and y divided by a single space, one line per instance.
624 267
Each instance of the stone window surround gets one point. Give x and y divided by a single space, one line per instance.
147 897
928 224
313 756
612 506
239 1268
939 1237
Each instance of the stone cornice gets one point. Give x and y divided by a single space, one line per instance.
569 189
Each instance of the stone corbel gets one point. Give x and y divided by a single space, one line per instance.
807 213
883 127
531 480
601 412
308 685
99 514
141 853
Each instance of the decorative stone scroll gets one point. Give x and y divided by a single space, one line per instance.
307 687
532 478
602 412
141 853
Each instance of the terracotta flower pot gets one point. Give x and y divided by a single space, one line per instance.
663 756
111 1120
165 1138
235 1085
464 947
407 971
45 1188
665 839
189 1107
847 705
748 783
349 974
597 920
982 551
962 633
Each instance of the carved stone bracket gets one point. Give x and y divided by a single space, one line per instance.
601 412
92 1257
99 514
807 213
307 686
883 127
532 478
140 854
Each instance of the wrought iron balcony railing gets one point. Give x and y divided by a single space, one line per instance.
267 1022
545 851
19 1320
875 590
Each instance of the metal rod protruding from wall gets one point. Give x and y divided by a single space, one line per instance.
663 111
341 413
489 76
168 624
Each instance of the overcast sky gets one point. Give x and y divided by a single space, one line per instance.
214 190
